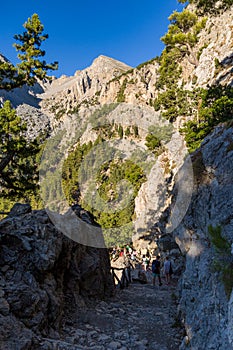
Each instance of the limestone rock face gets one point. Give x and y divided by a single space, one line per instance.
137 86
38 123
214 51
206 309
153 197
43 273
86 85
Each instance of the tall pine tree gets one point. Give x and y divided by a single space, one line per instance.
18 170
183 33
32 67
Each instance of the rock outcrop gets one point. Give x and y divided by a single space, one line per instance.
215 51
66 94
29 95
38 123
43 275
206 287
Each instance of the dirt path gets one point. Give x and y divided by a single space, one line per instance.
140 317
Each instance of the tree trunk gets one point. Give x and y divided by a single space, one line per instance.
193 59
5 161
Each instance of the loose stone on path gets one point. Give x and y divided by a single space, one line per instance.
140 317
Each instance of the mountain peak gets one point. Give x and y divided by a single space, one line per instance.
105 62
85 83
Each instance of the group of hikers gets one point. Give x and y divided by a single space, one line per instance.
148 264
126 251
155 268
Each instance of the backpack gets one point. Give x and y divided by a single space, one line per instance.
155 266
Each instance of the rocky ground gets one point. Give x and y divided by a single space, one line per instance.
139 317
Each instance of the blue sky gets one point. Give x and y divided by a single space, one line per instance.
79 31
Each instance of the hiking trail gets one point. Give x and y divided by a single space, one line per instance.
139 317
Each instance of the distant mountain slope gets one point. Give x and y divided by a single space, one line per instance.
25 94
108 80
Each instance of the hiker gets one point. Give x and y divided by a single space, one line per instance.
133 255
147 262
144 262
121 252
167 270
156 270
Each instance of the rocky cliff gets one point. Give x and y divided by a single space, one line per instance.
43 276
206 286
67 94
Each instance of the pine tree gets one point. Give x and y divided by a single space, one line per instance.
183 33
31 68
17 170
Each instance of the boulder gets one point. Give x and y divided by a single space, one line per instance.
43 275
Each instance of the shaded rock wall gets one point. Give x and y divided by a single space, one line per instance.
206 305
42 273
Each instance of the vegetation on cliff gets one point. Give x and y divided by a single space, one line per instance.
209 6
203 108
222 263
183 33
110 176
215 106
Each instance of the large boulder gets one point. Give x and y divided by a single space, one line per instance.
42 273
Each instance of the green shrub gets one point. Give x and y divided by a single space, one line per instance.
209 6
214 106
219 242
135 130
121 92
223 262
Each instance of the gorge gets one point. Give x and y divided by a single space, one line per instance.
132 155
